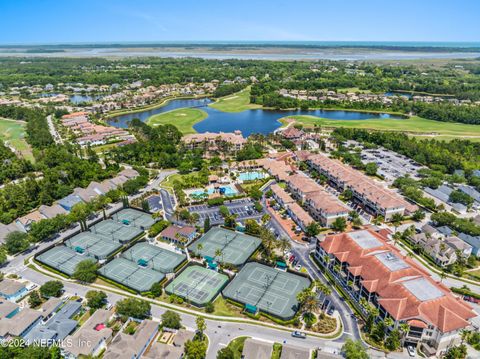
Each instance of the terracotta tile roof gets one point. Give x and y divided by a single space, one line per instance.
281 193
360 183
174 230
405 290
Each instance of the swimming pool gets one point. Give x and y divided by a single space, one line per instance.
251 176
225 190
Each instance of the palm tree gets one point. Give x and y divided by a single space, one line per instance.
443 275
218 253
199 248
284 244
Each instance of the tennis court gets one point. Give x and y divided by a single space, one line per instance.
134 217
154 257
197 284
62 259
235 247
92 244
268 289
131 275
112 229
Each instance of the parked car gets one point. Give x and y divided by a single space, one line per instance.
298 267
297 334
411 351
331 310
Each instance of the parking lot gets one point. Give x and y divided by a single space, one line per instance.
155 203
243 208
391 165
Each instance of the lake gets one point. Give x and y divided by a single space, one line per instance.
250 121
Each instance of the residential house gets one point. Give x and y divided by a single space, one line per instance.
5 229
164 351
291 133
126 346
8 309
20 323
368 267
437 249
12 290
179 235
69 201
25 222
51 211
257 349
91 338
182 336
290 351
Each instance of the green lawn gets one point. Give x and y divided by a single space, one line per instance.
414 125
236 102
14 133
182 118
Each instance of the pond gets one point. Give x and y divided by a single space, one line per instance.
250 121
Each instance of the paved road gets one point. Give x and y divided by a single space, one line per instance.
53 131
220 333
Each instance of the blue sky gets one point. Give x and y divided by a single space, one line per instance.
48 21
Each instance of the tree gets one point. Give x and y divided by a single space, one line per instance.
396 220
133 307
456 352
218 253
53 288
339 224
95 299
86 271
258 207
224 212
206 225
16 242
195 349
225 353
418 215
393 340
308 301
158 227
201 326
312 229
171 320
371 168
209 307
34 300
354 350
156 289
3 256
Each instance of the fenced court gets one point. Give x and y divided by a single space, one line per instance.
117 231
267 289
198 285
62 259
134 217
131 275
154 257
92 244
235 247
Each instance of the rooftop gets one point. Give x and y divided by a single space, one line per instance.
365 239
391 261
423 289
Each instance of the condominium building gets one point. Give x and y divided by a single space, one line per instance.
370 194
371 269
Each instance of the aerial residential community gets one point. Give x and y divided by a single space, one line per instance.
234 197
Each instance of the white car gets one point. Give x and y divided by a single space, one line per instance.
411 351
298 267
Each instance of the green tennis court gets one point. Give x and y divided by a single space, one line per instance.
131 275
154 257
197 284
112 229
93 245
235 247
134 217
268 289
63 259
